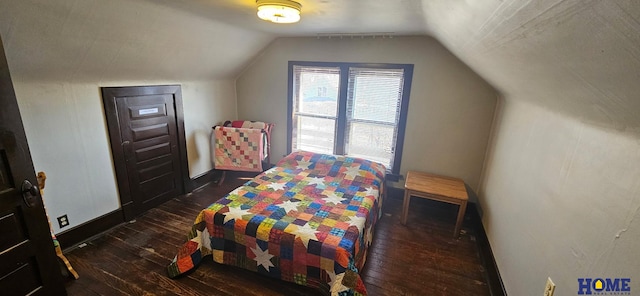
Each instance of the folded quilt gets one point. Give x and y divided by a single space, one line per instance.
247 124
238 149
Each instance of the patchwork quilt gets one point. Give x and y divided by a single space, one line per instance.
308 220
238 149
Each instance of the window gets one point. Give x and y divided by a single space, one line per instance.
349 109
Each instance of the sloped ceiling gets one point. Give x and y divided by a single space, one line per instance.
120 40
580 58
577 57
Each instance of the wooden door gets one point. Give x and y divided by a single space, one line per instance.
28 263
148 145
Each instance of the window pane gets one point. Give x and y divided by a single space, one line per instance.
313 134
371 141
373 112
376 94
318 90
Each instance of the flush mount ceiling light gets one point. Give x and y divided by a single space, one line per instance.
279 11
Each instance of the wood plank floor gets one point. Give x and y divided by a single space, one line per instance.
421 258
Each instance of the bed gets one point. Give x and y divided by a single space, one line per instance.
308 220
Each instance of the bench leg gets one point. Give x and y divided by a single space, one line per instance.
405 207
461 210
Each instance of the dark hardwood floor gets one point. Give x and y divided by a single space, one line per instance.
421 258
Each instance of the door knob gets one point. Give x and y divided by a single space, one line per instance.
30 193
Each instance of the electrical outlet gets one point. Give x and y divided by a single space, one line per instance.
549 288
63 221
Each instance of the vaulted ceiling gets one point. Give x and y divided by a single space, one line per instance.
576 57
580 58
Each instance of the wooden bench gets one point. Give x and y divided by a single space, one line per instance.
434 187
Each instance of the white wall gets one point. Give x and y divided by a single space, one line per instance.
205 105
562 177
67 134
450 109
561 198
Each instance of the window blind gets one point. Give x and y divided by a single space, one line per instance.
373 112
315 108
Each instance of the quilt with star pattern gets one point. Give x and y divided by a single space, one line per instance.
308 220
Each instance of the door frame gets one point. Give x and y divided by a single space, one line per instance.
109 95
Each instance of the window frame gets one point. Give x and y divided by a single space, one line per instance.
341 117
